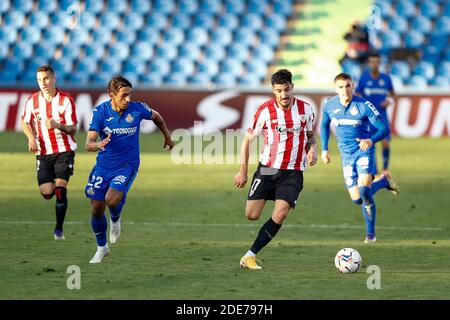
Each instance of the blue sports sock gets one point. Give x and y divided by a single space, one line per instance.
379 184
386 153
115 212
99 226
368 209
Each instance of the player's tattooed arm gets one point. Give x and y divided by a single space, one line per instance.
67 129
311 148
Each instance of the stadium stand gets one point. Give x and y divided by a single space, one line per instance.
155 42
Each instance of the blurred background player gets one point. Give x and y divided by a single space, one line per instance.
351 116
117 123
49 122
377 87
287 123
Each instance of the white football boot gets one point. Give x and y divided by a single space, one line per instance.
102 252
114 231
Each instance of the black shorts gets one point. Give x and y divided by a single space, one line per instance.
52 166
271 184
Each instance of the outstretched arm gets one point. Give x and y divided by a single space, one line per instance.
159 122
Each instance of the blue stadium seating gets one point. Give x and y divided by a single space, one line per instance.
39 19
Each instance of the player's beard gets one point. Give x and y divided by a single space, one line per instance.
285 102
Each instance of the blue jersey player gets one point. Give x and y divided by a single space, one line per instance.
117 123
350 116
378 89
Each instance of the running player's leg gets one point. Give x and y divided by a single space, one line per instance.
63 170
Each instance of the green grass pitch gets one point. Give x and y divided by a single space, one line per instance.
184 231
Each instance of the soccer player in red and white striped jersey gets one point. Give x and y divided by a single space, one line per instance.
49 121
289 147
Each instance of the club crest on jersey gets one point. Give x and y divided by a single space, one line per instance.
129 118
381 82
353 111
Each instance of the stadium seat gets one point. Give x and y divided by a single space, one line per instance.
119 51
187 6
166 50
60 19
224 79
414 39
164 6
181 20
47 5
78 79
398 24
198 36
71 50
148 35
13 65
249 80
53 34
150 79
256 67
429 8
117 6
33 63
431 54
245 36
252 21
443 24
24 6
94 6
156 20
110 20
418 82
125 36
440 81
38 19
444 69
183 65
30 35
62 66
132 77
210 6
78 36
234 6
257 6
208 66
173 36
276 21
8 34
189 50
222 36
385 7
44 49
406 9
142 50
446 9
389 40
99 79
66 4
4 6
422 24
141 6
438 39
95 51
133 21
238 50
263 52
8 78
425 70
283 7
269 37
27 79
400 69
101 35
4 50
134 65
14 19
86 65
229 21
159 66
175 79
110 65
203 20
231 66
199 78
214 52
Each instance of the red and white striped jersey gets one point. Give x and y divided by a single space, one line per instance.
62 109
284 133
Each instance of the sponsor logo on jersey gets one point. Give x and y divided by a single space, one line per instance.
284 129
107 130
345 122
128 131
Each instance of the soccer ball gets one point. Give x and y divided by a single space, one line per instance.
347 260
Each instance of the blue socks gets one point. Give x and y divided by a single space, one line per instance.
368 209
99 226
379 184
386 153
115 212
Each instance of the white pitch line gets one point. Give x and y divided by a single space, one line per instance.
235 225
